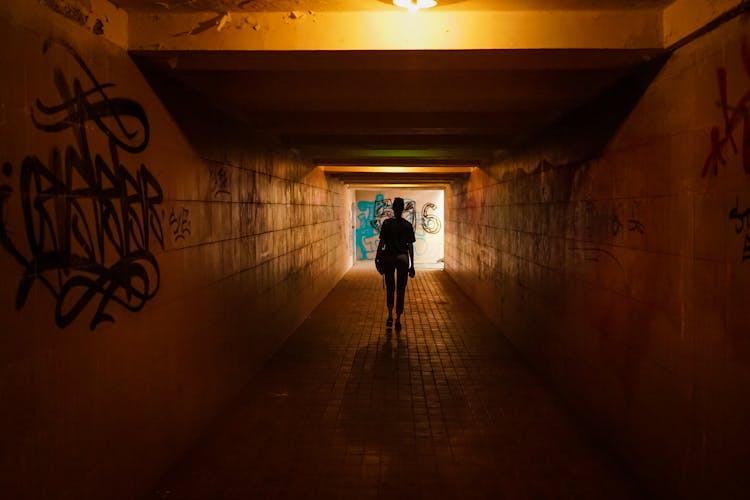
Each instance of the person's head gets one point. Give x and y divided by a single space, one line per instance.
398 207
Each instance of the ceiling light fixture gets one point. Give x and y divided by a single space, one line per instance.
415 5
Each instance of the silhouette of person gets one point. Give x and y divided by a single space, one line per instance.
396 244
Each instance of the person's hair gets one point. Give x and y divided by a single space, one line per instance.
398 206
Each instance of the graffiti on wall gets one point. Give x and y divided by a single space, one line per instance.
633 221
742 226
180 223
370 217
599 222
219 178
734 115
89 223
430 223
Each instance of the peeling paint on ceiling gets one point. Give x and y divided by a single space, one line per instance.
360 5
76 10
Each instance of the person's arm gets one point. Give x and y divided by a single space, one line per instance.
379 255
383 231
410 247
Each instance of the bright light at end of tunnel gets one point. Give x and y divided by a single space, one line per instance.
414 5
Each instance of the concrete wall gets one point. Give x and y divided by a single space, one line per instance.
144 278
624 275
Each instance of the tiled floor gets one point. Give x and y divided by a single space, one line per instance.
443 410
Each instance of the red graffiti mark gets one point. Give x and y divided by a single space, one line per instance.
733 116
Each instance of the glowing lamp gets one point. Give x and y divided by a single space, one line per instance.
415 5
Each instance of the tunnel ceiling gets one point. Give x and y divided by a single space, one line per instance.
364 83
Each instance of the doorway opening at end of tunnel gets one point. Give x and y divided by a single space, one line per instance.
423 208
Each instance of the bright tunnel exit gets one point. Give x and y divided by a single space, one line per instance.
424 209
370 191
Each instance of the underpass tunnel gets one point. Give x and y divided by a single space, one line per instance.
190 200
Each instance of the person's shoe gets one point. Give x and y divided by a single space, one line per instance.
398 325
389 322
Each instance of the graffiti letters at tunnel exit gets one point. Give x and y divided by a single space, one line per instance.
423 216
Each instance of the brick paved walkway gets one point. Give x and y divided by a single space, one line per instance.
443 410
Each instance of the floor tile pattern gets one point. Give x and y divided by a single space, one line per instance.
350 410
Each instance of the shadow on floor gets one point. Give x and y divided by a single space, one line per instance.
444 410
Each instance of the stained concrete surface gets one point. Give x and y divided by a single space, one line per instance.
445 409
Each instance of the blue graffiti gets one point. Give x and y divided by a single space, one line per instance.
370 217
366 232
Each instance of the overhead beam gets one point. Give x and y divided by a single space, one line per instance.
398 169
396 89
685 17
365 178
396 157
496 124
368 185
412 60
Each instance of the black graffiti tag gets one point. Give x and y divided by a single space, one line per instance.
219 180
742 223
180 223
383 210
430 223
616 224
89 222
634 223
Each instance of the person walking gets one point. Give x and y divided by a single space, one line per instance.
396 251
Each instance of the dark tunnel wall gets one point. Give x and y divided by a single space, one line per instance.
144 278
624 275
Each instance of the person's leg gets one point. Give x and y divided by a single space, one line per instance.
390 287
402 276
